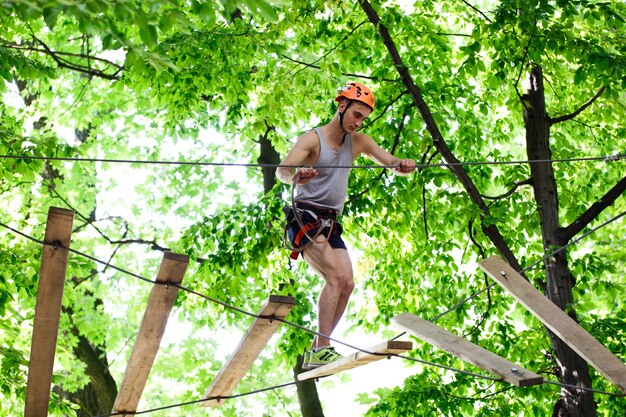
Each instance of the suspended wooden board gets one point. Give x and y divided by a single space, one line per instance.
54 258
466 350
356 359
162 297
557 321
250 347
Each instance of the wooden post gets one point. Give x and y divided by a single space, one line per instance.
162 297
557 320
466 350
250 347
54 258
358 359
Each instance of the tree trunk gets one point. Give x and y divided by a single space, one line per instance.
268 155
98 396
308 396
491 231
572 369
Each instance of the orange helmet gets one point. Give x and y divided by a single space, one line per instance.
357 91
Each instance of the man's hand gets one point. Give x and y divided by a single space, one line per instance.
405 166
304 175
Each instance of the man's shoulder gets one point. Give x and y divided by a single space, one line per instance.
361 141
360 137
309 133
309 138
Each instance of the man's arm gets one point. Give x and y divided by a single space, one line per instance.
382 157
302 153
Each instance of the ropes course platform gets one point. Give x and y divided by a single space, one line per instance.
254 340
160 303
466 350
55 254
357 359
557 321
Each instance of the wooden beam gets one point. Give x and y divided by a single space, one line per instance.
249 348
160 303
356 359
54 258
466 350
557 321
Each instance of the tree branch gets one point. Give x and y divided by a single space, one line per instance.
384 110
492 230
347 74
516 185
567 233
331 49
63 63
10 45
493 394
425 161
477 10
425 213
451 34
570 116
153 244
483 255
521 70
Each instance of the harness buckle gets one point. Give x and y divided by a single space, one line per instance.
326 223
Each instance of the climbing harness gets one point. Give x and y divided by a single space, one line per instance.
320 223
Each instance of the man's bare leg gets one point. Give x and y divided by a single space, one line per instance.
335 267
347 288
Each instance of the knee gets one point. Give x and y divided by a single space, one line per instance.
343 280
349 286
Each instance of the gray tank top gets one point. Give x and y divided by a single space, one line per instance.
330 187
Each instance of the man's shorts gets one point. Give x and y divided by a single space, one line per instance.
311 218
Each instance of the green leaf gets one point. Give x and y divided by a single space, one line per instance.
107 41
6 74
50 16
148 34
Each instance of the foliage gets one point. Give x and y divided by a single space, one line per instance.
195 81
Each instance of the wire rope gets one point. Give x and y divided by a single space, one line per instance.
224 304
606 158
219 398
534 264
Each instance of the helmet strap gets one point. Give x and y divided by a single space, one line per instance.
341 114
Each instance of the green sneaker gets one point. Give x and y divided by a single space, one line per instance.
306 358
321 357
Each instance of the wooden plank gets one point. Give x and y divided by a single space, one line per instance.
466 350
54 258
259 333
557 320
160 303
358 359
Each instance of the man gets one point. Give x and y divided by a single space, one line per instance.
321 195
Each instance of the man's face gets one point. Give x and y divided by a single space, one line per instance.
356 114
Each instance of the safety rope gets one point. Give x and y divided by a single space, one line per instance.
605 158
303 228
